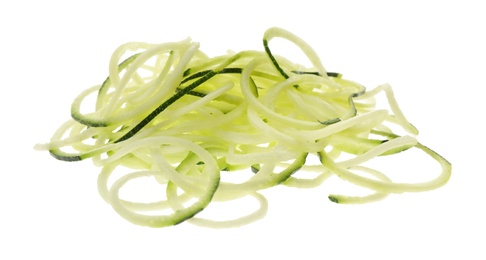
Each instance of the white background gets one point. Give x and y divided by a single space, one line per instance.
431 52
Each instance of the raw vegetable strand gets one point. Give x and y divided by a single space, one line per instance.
190 123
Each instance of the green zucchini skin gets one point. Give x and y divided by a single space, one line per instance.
65 157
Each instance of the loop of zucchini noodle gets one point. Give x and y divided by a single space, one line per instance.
171 113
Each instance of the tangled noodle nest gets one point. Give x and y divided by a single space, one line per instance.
187 120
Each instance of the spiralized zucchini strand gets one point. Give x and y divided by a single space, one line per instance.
190 124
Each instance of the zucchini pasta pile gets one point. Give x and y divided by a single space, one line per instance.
191 122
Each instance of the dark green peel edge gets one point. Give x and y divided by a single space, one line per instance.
65 157
329 74
293 168
164 105
330 121
274 61
333 199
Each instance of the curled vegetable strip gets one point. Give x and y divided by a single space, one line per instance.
210 174
190 123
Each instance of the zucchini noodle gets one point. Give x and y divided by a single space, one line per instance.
188 122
